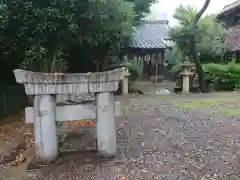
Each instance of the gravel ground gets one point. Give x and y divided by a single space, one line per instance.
157 141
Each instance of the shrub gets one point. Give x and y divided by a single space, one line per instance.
224 76
135 68
176 69
135 74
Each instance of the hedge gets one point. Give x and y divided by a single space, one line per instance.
223 76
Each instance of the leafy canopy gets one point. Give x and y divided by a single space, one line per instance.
141 7
208 36
59 35
41 34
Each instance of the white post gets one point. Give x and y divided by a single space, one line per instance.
124 83
185 84
106 129
46 140
124 86
156 73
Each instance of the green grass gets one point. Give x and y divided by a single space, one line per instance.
224 105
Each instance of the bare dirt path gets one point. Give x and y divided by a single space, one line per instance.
158 141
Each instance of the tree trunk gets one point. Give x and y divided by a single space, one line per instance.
193 51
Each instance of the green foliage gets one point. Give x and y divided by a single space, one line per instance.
134 74
135 68
44 33
224 76
173 56
176 69
141 7
8 103
138 63
181 33
209 35
51 35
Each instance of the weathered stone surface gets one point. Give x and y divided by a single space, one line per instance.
106 128
186 80
29 77
72 112
46 142
60 83
161 91
74 98
124 86
45 87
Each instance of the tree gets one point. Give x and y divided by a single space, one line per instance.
196 35
211 38
181 32
52 35
209 33
44 33
141 7
193 51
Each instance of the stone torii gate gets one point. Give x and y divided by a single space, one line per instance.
45 86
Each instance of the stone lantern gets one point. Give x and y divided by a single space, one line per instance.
186 74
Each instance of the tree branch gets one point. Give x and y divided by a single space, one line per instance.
200 13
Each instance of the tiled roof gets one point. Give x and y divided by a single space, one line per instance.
233 38
151 34
229 7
